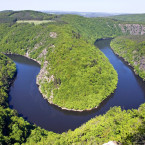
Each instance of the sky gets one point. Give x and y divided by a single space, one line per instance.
109 6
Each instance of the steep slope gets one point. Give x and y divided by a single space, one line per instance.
139 18
77 76
13 16
64 53
94 28
132 49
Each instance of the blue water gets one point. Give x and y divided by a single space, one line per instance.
25 97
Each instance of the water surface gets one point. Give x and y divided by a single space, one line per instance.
25 97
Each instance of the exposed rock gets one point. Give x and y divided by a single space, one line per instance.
43 53
133 29
112 143
52 46
142 30
53 34
142 63
27 54
51 78
37 46
51 97
43 76
43 73
134 52
135 63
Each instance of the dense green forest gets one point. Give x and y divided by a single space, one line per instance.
125 127
7 72
13 16
74 70
94 28
119 125
130 17
132 49
80 71
13 129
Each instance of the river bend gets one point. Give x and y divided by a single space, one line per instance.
25 97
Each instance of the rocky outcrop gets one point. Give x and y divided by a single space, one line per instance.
43 74
43 53
132 29
142 63
53 35
42 77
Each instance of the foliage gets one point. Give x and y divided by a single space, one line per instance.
139 18
125 127
13 16
132 49
84 73
14 129
94 28
7 72
79 70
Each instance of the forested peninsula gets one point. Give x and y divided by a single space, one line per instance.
74 75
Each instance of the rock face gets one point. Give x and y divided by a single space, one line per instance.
43 53
53 35
133 29
42 77
43 73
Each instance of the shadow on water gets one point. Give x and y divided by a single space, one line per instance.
25 97
86 112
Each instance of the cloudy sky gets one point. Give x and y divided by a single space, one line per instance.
110 6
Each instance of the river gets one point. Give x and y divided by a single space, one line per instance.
25 97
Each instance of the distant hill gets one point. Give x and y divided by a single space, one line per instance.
12 16
130 17
85 14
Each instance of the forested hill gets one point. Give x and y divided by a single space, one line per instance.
139 18
94 28
132 49
98 28
74 75
13 16
78 69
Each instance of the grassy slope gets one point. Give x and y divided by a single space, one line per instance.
132 49
36 22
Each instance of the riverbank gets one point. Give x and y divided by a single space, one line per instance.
25 92
131 49
43 77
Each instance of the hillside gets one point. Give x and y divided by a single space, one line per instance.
139 18
132 49
13 16
74 65
122 126
94 28
74 75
